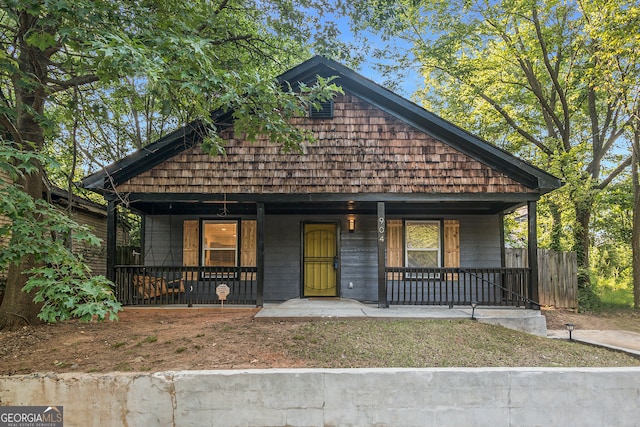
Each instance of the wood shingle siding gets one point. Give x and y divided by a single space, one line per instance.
361 150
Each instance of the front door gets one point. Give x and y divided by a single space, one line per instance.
320 259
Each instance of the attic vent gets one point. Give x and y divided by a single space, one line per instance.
325 111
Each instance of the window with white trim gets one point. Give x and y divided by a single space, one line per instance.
423 244
219 244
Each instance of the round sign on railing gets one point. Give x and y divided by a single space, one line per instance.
222 291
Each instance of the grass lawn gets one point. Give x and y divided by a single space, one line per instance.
184 339
439 343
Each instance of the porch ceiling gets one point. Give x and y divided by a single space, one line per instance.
329 205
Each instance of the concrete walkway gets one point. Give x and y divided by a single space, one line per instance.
530 321
628 342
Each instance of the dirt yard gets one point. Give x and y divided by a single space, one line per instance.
197 338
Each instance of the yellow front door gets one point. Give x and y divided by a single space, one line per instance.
320 260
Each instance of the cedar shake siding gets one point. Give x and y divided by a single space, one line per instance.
362 149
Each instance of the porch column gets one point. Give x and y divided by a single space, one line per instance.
112 236
260 254
502 245
382 248
532 214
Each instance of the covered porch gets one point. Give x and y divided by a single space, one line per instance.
363 253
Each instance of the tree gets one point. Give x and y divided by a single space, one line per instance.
527 74
616 26
635 235
61 283
195 56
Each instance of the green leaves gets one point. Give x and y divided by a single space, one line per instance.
62 282
555 82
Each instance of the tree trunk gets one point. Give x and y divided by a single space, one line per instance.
556 227
582 241
17 307
635 234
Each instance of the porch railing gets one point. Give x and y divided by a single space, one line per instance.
161 285
458 286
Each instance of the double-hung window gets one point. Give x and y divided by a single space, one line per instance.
423 244
219 244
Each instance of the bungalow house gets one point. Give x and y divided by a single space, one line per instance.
391 204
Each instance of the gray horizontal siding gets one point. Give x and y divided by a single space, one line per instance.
479 247
480 241
283 252
282 258
360 260
163 240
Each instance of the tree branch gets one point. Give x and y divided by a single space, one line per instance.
60 85
548 112
231 39
514 125
621 167
222 6
566 127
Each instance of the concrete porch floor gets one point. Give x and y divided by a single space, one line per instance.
530 321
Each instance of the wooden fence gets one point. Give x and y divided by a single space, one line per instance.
557 275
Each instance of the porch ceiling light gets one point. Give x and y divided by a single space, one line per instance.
352 225
570 327
474 304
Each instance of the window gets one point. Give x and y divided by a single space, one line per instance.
422 244
219 244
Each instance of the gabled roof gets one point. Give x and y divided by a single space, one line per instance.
358 85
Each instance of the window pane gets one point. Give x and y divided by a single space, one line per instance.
422 244
423 235
220 258
219 244
422 259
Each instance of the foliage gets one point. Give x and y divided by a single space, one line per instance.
614 293
62 282
90 80
119 75
555 82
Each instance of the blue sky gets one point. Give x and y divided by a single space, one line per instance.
407 86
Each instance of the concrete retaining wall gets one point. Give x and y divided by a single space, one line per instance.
333 397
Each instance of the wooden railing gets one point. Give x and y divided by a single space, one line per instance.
458 286
160 285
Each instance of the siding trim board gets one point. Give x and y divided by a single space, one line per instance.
345 198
